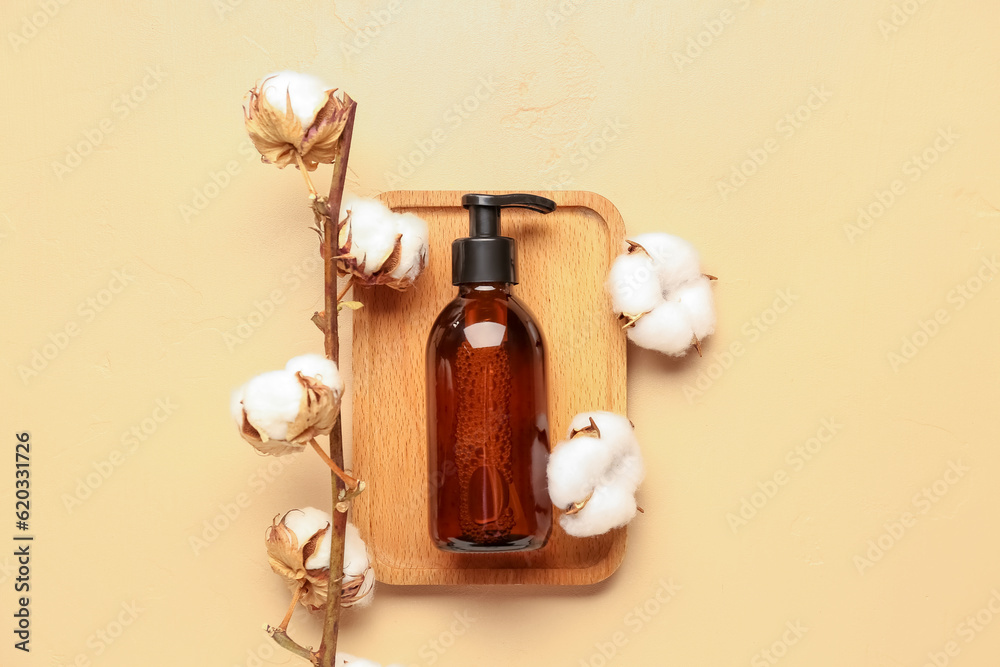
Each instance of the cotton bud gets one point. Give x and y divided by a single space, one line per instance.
292 116
279 412
378 246
594 474
658 289
298 549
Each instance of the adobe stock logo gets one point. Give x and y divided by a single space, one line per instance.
913 169
130 440
752 330
970 628
584 153
636 620
60 339
432 650
957 298
922 502
365 35
696 44
779 647
453 117
796 459
899 17
32 23
784 129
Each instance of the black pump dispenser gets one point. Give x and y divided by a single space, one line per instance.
485 256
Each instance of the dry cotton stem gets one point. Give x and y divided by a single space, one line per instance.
355 485
305 174
291 607
282 639
331 622
347 286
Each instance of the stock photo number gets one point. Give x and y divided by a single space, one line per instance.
22 542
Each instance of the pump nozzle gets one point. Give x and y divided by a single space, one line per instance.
486 256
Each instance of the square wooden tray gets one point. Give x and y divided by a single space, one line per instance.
563 261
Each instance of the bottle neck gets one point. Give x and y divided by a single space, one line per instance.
474 290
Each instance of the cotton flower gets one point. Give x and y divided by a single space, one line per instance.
292 116
279 412
379 246
298 549
658 288
594 474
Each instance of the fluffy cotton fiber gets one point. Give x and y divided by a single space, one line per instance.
271 403
307 93
320 368
658 287
288 558
603 472
375 234
305 523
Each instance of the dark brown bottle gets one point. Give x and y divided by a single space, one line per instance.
487 414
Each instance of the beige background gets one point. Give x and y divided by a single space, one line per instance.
580 95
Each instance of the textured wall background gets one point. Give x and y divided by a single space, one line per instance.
836 163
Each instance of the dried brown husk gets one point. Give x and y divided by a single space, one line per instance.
279 136
357 590
287 559
317 415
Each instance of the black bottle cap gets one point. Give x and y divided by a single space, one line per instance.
485 256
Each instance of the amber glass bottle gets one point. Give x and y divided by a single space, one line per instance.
487 415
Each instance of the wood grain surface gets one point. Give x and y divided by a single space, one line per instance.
563 259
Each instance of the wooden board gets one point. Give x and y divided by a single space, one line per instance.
563 260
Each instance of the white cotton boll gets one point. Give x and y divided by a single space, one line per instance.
672 311
676 261
666 329
597 475
611 506
272 402
355 552
634 284
305 523
413 245
575 467
307 92
373 232
373 235
319 368
696 297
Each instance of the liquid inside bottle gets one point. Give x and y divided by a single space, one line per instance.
487 424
